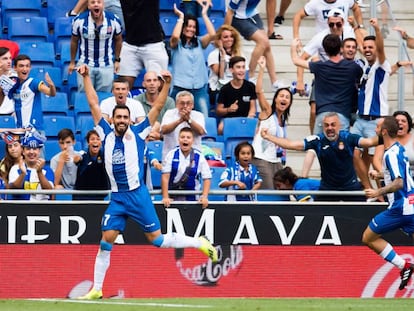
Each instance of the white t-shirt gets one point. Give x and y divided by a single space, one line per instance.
135 107
171 139
320 9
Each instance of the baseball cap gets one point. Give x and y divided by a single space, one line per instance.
336 13
33 141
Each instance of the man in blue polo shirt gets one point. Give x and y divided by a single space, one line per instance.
335 149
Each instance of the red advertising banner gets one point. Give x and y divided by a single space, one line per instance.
60 271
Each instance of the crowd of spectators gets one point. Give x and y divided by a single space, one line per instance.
207 83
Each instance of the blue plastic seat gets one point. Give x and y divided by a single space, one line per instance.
57 9
55 74
215 178
168 23
22 8
156 147
53 124
62 33
7 122
84 124
56 105
236 130
218 9
211 128
28 29
217 21
42 54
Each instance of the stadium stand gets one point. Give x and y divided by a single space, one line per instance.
42 54
28 29
21 8
56 105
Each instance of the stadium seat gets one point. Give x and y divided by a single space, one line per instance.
156 147
28 29
84 124
272 197
51 148
42 54
57 9
55 74
62 33
215 178
81 105
168 5
217 21
22 8
238 127
236 130
56 105
211 128
7 122
168 23
218 9
53 124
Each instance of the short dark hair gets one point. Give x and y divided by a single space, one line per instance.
236 59
349 39
120 80
65 133
332 44
4 50
125 107
187 130
391 125
368 38
21 57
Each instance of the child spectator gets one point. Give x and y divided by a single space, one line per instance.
182 168
63 164
243 175
31 173
286 179
91 174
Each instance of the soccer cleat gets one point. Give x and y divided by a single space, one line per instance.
406 273
92 295
208 249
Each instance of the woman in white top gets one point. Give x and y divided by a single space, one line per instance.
270 158
228 44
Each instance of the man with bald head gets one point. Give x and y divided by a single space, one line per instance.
152 85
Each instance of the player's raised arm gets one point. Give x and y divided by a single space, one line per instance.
161 99
91 95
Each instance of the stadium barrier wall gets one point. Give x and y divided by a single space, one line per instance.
265 250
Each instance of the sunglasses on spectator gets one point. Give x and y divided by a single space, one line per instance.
332 25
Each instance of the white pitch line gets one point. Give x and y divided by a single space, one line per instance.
150 304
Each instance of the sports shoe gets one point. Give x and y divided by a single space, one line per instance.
208 249
406 273
279 20
92 295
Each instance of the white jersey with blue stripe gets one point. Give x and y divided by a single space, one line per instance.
396 165
95 48
244 9
124 155
373 93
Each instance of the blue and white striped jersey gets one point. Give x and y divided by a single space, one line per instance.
124 155
95 47
396 165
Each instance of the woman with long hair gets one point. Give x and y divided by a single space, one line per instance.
270 158
228 44
187 56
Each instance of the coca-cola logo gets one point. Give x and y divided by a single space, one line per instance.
385 281
209 273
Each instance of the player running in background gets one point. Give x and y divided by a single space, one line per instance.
124 154
399 187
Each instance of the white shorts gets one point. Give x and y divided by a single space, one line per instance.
151 56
